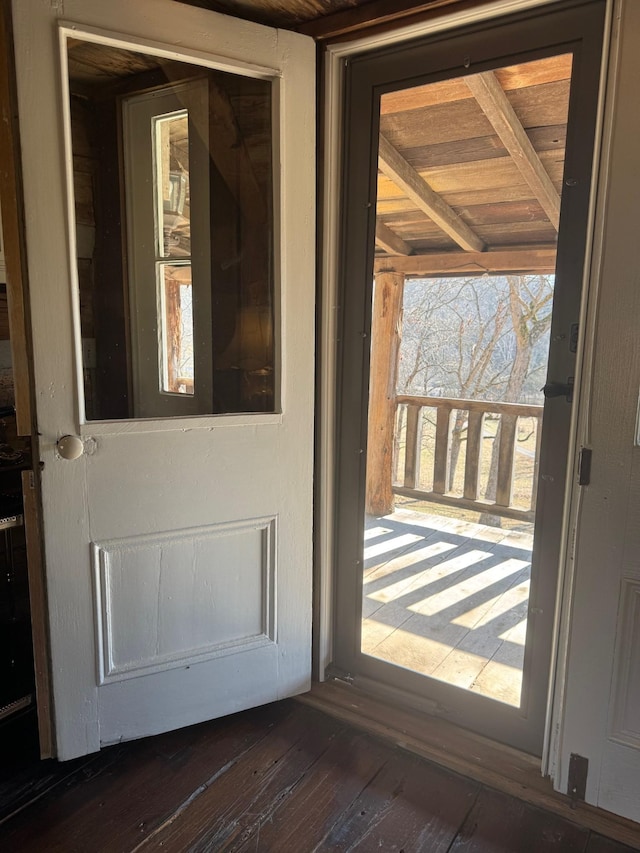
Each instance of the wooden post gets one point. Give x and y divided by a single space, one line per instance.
385 344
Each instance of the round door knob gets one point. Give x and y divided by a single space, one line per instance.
70 447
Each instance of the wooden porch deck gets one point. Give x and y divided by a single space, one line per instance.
448 599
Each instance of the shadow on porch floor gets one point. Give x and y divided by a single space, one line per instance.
449 599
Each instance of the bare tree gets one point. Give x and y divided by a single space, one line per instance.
530 305
475 338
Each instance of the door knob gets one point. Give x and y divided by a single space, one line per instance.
70 447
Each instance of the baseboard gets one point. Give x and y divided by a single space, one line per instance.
491 763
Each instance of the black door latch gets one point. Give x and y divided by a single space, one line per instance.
559 389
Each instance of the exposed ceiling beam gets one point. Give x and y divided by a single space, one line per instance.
375 13
232 159
496 106
407 179
389 241
540 259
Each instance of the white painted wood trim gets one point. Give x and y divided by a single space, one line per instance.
71 231
581 428
447 20
208 422
158 48
66 31
335 59
326 415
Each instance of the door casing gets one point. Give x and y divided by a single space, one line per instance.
336 58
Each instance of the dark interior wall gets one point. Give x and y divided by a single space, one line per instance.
99 256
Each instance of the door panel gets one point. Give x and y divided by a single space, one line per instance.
377 86
600 716
179 549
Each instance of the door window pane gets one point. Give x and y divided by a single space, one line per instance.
173 210
176 306
173 230
173 189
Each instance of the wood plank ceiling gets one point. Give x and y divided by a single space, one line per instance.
278 13
324 19
471 169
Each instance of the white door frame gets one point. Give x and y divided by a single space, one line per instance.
335 58
593 728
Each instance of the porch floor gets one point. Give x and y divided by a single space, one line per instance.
448 599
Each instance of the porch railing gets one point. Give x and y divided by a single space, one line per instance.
493 469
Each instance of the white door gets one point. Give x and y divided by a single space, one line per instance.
178 550
600 721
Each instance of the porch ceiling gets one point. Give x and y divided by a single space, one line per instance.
471 169
278 13
325 19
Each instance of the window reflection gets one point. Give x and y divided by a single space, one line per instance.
174 224
173 210
176 301
173 228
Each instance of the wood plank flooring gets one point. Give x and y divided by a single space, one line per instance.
449 599
282 778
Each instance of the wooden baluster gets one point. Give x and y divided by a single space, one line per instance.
536 464
442 456
412 449
477 411
397 437
472 458
504 490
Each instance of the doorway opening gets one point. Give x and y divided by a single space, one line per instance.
449 524
453 460
468 282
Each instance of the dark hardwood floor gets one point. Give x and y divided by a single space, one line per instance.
282 778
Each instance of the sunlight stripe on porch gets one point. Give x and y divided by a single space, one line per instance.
393 544
467 587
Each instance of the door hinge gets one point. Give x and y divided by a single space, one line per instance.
584 466
577 783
